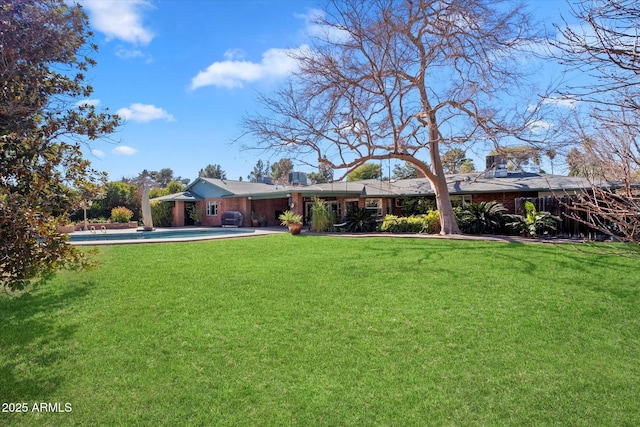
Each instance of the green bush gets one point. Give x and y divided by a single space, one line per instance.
321 217
428 223
162 214
481 218
431 222
533 223
418 206
121 214
360 220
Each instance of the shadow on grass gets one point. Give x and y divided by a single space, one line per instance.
33 340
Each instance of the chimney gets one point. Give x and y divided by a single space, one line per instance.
496 167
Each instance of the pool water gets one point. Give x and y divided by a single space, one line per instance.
155 235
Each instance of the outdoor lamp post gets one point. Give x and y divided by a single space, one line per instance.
86 204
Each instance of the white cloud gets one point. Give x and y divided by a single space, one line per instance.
235 73
124 53
234 54
119 19
565 102
98 153
93 102
539 126
124 150
144 113
315 28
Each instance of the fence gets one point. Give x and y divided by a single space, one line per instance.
568 228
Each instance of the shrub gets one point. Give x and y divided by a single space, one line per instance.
401 224
162 214
360 220
481 218
428 223
431 222
418 206
121 214
321 217
533 223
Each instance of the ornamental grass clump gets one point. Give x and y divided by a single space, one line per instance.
321 217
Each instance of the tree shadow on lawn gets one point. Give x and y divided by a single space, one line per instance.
527 257
33 340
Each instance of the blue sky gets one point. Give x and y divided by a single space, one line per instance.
183 73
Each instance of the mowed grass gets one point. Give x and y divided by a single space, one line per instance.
316 330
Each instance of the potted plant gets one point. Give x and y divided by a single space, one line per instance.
195 215
291 220
255 219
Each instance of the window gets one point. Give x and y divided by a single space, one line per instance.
334 207
351 205
212 208
460 200
374 205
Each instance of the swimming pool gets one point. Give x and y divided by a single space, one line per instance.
89 238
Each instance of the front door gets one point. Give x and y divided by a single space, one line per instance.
188 206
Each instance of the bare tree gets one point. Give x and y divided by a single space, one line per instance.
607 47
389 79
612 166
519 156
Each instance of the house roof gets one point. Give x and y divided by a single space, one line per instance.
255 190
465 184
203 188
185 196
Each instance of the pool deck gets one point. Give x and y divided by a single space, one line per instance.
263 231
246 232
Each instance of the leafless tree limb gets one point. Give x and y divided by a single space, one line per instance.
395 79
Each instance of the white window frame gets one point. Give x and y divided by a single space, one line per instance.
461 200
334 206
212 208
374 205
347 201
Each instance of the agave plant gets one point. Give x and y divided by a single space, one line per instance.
481 218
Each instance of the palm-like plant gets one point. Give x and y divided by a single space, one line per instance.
481 218
360 220
534 222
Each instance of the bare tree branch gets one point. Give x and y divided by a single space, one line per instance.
393 79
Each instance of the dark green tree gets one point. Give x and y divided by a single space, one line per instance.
366 171
324 174
43 63
407 171
114 194
163 177
453 159
213 171
260 170
280 170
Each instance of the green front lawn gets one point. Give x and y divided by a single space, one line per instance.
316 330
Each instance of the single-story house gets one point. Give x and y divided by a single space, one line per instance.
213 197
